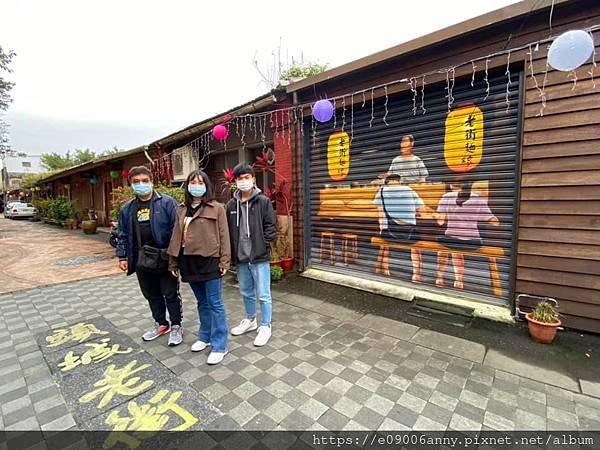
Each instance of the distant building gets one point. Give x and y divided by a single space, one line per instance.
14 168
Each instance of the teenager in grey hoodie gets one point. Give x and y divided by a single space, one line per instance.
252 228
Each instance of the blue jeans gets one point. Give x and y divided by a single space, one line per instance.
211 310
255 282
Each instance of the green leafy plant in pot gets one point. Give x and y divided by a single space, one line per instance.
543 322
276 273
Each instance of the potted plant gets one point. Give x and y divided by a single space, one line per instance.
543 322
274 259
276 273
90 226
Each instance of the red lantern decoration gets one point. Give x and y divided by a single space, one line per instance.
125 173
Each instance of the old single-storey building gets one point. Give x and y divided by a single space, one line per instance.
470 113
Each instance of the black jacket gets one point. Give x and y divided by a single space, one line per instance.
261 220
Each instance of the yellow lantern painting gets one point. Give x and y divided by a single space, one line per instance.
338 155
463 141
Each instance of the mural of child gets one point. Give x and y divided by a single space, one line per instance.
399 206
461 210
407 165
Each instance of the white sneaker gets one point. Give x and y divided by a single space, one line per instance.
198 346
215 358
263 336
244 326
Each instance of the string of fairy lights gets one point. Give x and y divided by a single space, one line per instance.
254 125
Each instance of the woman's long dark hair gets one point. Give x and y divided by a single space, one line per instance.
465 190
208 196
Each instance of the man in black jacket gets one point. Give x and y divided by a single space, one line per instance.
252 228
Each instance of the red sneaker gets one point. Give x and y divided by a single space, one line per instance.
156 331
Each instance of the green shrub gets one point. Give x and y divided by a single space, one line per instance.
122 195
276 273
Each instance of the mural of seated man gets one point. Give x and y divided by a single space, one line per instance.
399 206
408 166
461 210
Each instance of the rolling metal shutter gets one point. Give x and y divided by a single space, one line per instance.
476 143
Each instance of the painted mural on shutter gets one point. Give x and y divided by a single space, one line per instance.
427 198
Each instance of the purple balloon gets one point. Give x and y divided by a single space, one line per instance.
323 111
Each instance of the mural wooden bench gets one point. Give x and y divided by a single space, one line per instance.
491 252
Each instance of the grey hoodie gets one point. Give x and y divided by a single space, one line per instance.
245 242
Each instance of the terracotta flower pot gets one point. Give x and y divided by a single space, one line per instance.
287 264
541 332
276 262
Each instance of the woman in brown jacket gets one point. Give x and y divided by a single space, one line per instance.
201 253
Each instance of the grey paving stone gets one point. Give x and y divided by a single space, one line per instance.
561 416
333 420
525 420
327 396
531 406
470 412
462 348
228 402
278 411
436 413
426 424
295 398
296 420
461 423
411 402
18 415
313 409
444 401
560 403
262 400
419 391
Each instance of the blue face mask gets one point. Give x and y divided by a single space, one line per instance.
142 189
197 190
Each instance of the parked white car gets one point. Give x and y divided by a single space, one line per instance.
8 207
19 210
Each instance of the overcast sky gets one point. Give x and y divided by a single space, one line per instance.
99 74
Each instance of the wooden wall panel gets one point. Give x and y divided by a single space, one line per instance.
558 253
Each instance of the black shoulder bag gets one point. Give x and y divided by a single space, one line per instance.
150 259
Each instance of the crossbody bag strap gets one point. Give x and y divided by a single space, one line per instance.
136 225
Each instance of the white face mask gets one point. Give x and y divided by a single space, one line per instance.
244 185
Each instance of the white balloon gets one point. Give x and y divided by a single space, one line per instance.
570 50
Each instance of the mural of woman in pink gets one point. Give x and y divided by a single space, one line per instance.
461 210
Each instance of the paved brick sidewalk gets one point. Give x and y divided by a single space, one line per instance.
319 371
34 254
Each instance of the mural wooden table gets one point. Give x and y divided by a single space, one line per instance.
357 203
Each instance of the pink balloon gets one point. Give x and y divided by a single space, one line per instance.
220 132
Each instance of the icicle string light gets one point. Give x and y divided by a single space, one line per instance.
591 72
372 109
250 119
423 95
486 79
351 117
543 107
334 115
535 82
414 93
450 86
343 113
473 76
508 82
385 106
573 74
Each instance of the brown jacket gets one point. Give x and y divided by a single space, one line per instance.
208 235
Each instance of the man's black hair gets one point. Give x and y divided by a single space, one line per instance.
242 169
393 177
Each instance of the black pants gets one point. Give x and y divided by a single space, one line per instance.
162 292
